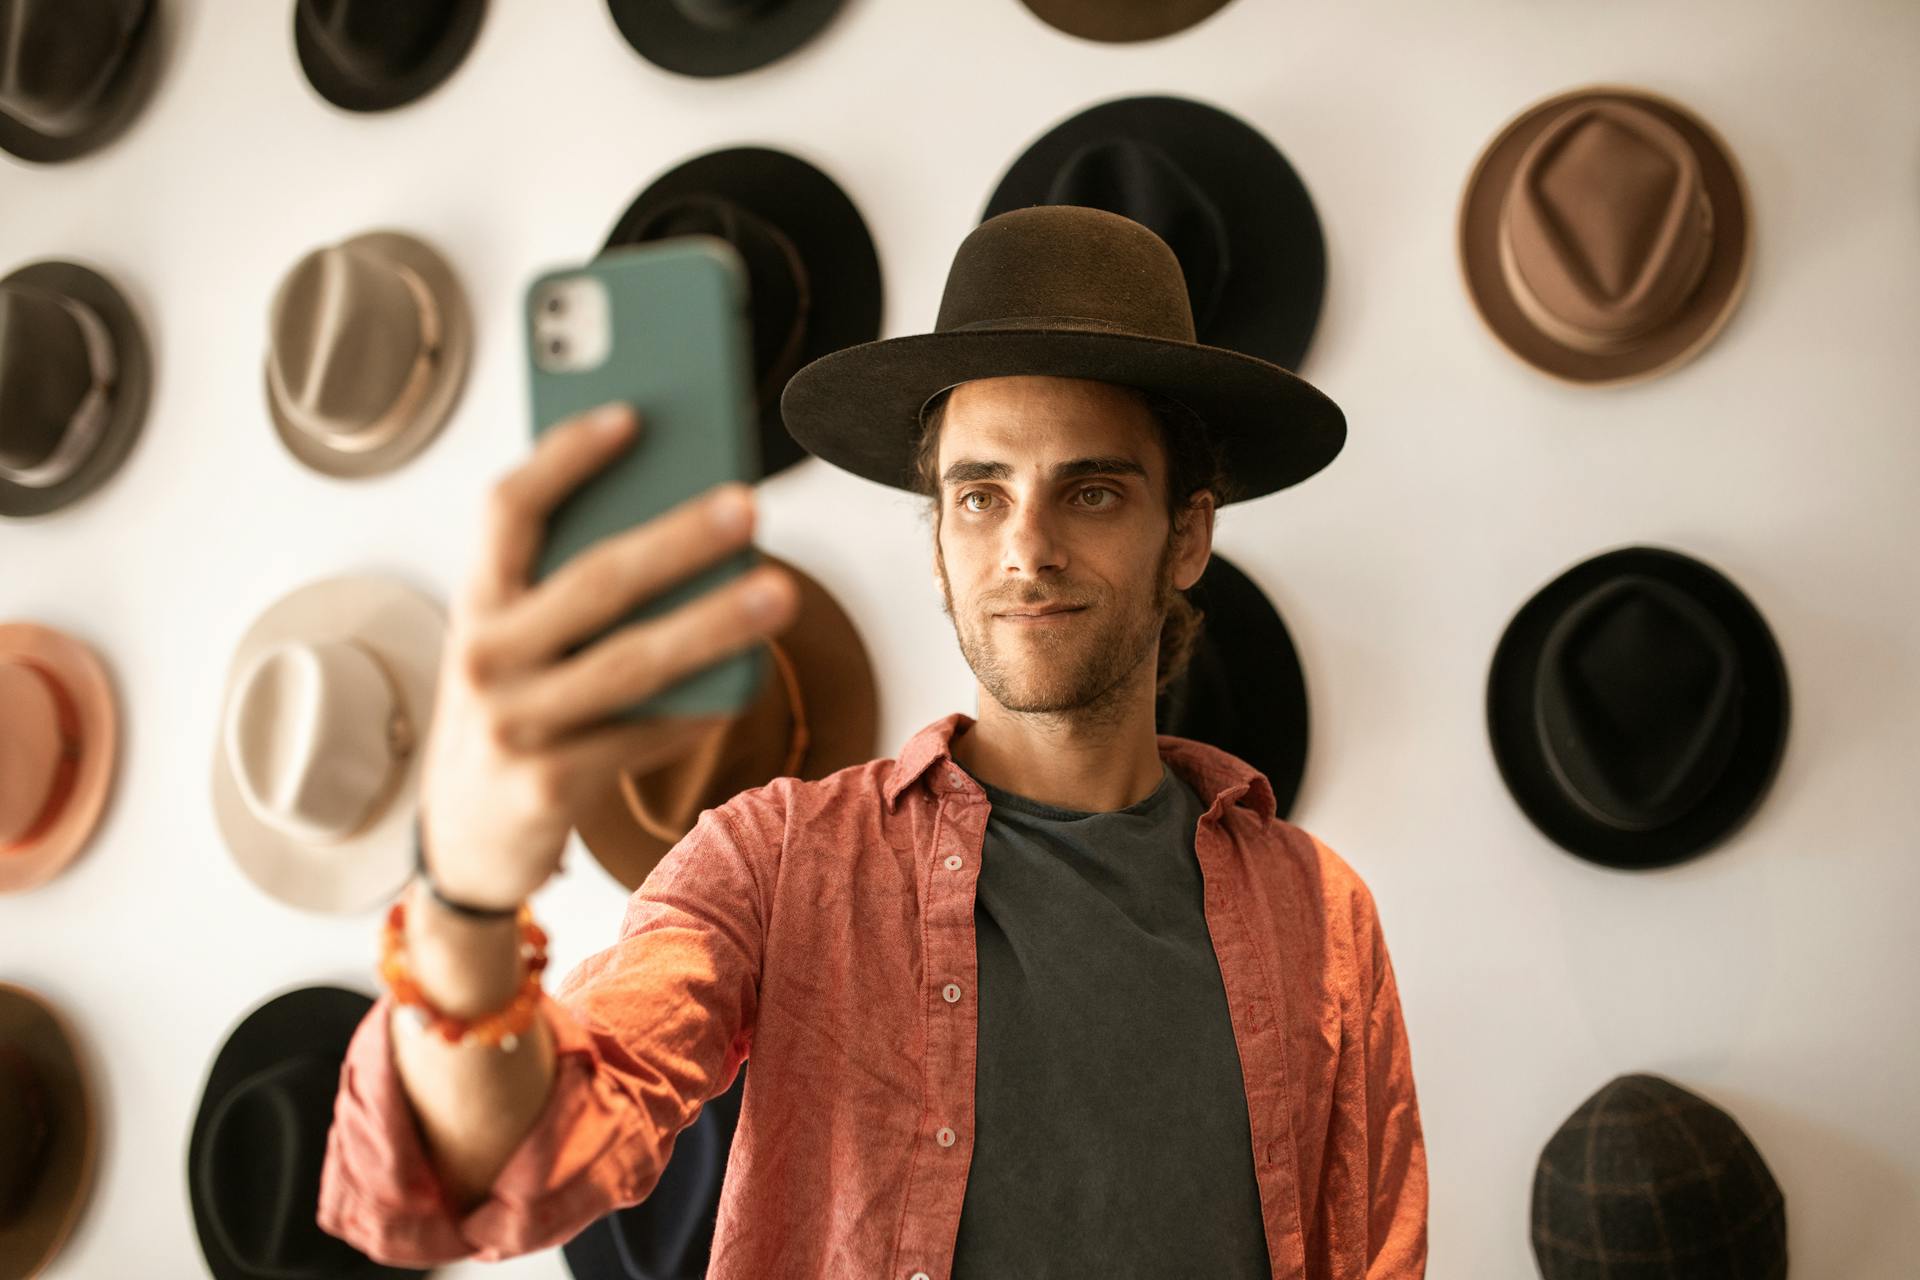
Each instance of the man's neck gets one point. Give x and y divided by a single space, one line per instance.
1093 763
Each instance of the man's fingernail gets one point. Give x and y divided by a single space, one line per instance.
610 419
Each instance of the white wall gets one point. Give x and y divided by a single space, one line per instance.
1772 975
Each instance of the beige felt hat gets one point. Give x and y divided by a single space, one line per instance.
370 340
49 1132
57 752
315 771
1605 235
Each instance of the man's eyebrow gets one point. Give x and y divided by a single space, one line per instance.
966 470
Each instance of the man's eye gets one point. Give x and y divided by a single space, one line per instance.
972 493
1092 488
1099 488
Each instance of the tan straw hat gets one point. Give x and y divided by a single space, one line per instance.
49 1132
1605 235
315 770
57 754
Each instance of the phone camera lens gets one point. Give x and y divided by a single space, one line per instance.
555 304
558 346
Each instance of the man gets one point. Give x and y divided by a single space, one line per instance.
1046 992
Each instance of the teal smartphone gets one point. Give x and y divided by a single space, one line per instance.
663 326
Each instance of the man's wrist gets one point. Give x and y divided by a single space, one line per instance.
465 966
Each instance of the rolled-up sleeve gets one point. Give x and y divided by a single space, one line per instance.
1396 1146
645 1032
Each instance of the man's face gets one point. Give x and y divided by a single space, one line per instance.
1052 493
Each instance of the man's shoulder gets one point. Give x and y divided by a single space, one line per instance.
849 791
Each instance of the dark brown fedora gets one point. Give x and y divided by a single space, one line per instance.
719 37
1067 291
74 73
374 55
1122 21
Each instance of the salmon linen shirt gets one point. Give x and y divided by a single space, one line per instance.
826 926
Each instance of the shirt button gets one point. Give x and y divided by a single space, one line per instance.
919 1275
944 1137
953 862
951 991
953 776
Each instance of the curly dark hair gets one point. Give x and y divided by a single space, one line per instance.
1194 461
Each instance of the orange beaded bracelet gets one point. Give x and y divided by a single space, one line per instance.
502 1027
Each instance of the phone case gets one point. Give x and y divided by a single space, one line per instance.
678 349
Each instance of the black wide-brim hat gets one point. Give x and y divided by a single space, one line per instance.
669 1234
1123 21
119 104
1233 209
826 231
1709 637
344 88
1243 690
133 385
1063 291
736 37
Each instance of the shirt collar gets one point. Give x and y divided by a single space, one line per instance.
1214 774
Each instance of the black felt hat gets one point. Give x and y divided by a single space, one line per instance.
1066 291
1638 707
1123 21
719 37
813 278
373 55
1242 690
76 377
669 1234
1215 189
1647 1179
74 73
259 1141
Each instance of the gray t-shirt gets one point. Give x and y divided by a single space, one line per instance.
1110 1133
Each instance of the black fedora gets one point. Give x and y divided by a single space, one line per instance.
1214 188
718 37
1123 21
1066 291
813 278
259 1141
76 376
669 1234
1242 690
373 55
74 73
1638 707
1647 1178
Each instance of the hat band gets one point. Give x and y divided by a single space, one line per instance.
1055 322
400 414
66 774
1580 338
89 422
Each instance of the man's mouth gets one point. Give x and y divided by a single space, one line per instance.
1041 615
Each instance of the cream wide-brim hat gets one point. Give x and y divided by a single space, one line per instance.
408 630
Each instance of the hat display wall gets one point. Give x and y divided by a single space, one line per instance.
1068 291
259 1141
1647 1178
1243 690
49 1131
1115 21
76 378
819 713
328 699
370 340
1638 707
374 55
59 746
1605 235
718 37
813 278
1216 190
74 73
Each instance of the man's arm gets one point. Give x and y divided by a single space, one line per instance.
1396 1146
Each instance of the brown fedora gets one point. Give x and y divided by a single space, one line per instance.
370 342
49 1131
1605 235
74 74
818 712
57 755
1123 21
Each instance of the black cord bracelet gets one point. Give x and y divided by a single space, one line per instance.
465 909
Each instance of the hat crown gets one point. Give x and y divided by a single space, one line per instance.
722 15
350 332
1066 266
314 737
57 58
1606 228
376 40
37 749
1637 707
26 1130
46 370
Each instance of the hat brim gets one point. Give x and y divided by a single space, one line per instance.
449 378
132 395
666 37
1523 765
351 93
131 91
31 1238
859 408
827 231
1706 310
87 680
842 699
408 630
1124 22
1270 303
